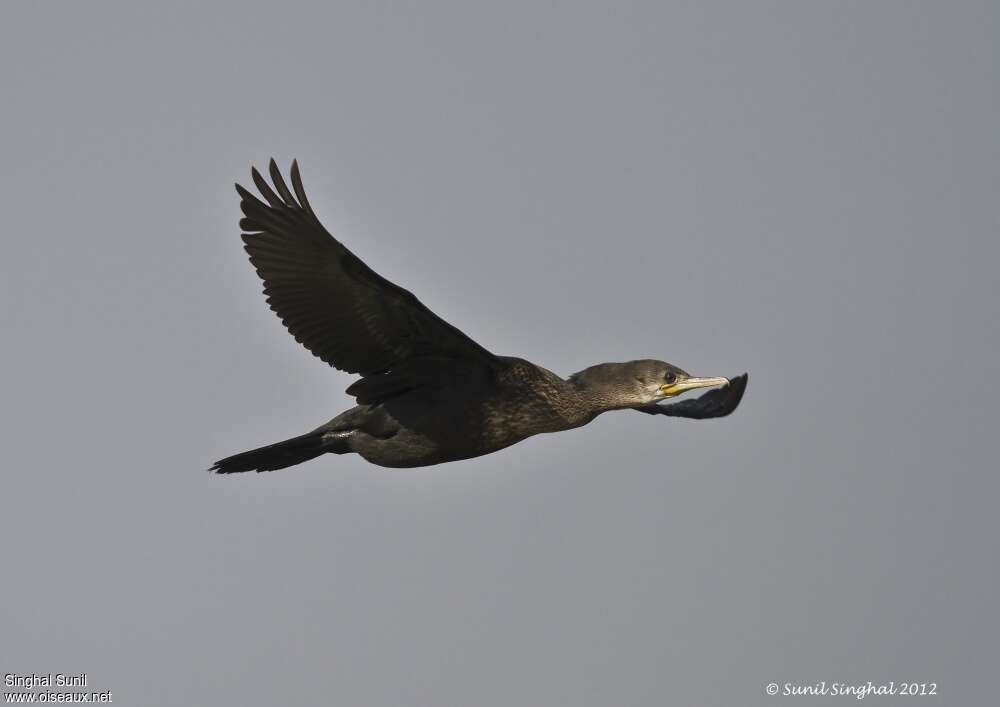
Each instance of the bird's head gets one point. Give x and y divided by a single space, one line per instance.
620 385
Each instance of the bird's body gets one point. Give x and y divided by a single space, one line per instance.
428 394
470 414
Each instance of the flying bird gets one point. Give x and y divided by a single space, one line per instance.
426 392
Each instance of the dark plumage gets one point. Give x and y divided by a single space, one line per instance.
428 393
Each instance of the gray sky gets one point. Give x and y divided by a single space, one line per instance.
807 191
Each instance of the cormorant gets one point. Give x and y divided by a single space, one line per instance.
428 393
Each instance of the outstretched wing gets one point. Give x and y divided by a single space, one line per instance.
330 301
717 402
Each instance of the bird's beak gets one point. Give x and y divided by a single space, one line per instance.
686 384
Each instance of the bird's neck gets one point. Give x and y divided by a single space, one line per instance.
601 396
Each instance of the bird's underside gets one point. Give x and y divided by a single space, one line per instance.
426 392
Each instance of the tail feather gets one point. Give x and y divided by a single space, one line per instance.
274 456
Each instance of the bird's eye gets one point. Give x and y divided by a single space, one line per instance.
670 378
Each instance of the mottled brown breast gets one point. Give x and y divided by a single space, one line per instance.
529 400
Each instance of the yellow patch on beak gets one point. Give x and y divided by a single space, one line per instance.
686 384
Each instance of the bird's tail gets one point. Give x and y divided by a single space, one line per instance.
276 456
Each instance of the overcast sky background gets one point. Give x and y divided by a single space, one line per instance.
806 191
